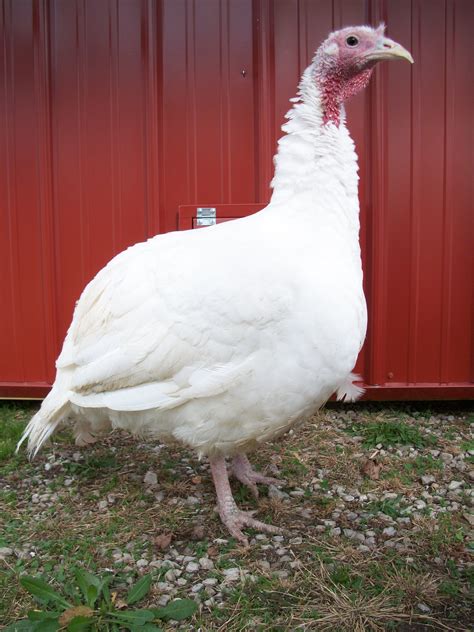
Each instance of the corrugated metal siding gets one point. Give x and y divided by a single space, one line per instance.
115 113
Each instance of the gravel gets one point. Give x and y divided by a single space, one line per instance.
368 516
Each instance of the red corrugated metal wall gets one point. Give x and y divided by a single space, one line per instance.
115 113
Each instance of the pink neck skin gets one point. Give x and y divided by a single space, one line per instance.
335 87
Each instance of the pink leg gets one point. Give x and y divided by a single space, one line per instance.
233 518
243 472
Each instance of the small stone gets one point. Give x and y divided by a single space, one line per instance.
197 587
422 607
335 531
150 478
206 563
5 551
348 498
192 500
419 504
390 531
170 575
163 600
297 540
454 485
68 482
363 548
276 494
296 564
210 581
141 563
181 581
192 567
232 574
446 457
427 479
102 504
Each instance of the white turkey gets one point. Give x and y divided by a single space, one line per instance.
272 331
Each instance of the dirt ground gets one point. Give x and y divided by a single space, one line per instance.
376 506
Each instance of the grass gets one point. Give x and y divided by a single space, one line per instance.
390 433
13 418
390 507
327 583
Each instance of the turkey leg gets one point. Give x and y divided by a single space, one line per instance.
233 518
244 472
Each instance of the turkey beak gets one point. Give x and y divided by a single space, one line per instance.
388 49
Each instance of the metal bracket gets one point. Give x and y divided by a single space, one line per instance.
206 216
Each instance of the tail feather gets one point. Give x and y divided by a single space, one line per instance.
53 410
349 392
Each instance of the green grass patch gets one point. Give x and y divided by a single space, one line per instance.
292 466
13 419
391 507
390 433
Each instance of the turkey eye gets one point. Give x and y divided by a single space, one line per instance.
352 40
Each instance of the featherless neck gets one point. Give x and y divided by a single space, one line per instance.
316 164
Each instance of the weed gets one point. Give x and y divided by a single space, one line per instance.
449 588
292 465
343 576
324 485
390 507
12 423
390 433
467 446
89 605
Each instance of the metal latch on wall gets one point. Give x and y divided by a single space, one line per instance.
206 216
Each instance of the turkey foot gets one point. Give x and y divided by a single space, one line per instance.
243 472
233 518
